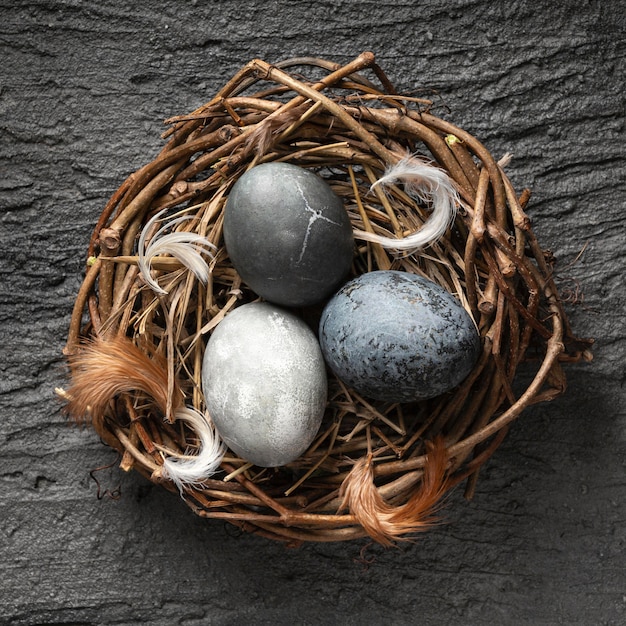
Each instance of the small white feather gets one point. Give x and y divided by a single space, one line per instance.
429 185
184 246
193 469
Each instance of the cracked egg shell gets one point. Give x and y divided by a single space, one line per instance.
398 337
288 234
264 382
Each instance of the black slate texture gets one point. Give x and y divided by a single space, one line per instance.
84 87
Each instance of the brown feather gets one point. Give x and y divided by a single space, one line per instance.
385 522
262 137
103 370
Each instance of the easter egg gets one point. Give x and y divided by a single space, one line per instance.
264 383
399 337
287 234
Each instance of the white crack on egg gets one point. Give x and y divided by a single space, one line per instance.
316 214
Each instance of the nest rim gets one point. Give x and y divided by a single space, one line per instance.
349 129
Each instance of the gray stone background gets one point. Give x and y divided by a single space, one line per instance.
84 87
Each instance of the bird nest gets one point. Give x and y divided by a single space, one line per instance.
376 469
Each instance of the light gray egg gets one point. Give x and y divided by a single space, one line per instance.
397 336
288 234
264 382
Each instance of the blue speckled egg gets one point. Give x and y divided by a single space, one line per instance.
398 337
264 383
288 234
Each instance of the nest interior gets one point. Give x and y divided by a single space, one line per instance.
347 128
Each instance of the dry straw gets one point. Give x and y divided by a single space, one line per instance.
374 469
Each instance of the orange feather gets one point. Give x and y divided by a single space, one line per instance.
103 370
385 522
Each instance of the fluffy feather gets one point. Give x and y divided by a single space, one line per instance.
428 185
102 370
184 246
384 522
192 470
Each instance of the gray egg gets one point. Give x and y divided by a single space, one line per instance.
287 234
399 337
264 382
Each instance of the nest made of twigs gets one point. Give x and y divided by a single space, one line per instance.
375 468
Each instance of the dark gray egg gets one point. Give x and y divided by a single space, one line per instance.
397 336
288 234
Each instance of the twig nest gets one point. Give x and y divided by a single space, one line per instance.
288 234
398 337
170 273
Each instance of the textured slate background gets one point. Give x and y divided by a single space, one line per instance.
83 89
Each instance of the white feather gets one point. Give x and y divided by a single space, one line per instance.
428 185
193 469
184 246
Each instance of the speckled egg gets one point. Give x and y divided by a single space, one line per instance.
397 336
287 234
264 382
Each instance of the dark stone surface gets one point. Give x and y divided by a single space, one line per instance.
83 89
